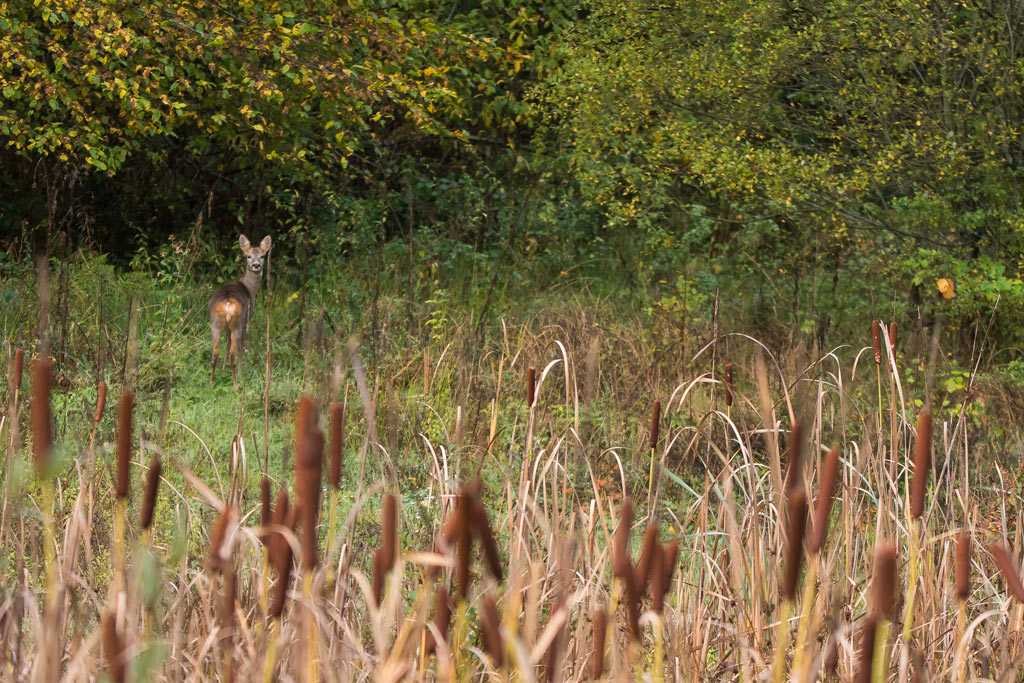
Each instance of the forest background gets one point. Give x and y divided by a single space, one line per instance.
668 173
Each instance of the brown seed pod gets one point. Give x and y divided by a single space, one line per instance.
632 600
643 571
922 463
796 501
337 445
655 423
669 559
893 329
600 631
389 533
963 566
876 338
216 559
823 506
490 632
16 372
378 575
867 648
657 574
1008 568
728 384
278 516
124 443
622 564
463 543
113 647
149 492
794 472
42 434
283 564
442 617
101 402
481 528
265 510
883 582
309 441
531 386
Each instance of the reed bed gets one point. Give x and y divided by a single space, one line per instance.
758 526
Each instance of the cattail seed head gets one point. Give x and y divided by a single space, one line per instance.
655 423
442 617
124 443
922 463
463 543
622 564
669 558
42 434
113 647
278 516
963 566
657 574
796 501
281 558
531 385
876 338
309 443
632 600
389 531
149 492
101 402
219 548
893 329
16 371
867 649
378 572
490 632
883 582
337 426
265 509
794 472
600 632
728 384
481 528
823 506
644 569
1008 568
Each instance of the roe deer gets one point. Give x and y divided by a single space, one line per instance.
232 305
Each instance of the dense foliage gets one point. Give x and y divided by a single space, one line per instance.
810 163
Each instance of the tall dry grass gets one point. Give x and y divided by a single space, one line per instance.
773 545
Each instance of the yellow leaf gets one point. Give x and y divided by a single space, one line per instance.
945 288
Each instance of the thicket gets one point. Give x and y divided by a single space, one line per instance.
809 165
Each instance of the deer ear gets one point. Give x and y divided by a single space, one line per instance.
265 244
243 242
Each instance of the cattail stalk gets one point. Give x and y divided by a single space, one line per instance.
490 631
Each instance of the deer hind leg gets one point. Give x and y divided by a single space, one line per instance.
233 350
216 330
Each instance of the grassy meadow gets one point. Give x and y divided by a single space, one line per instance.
490 483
